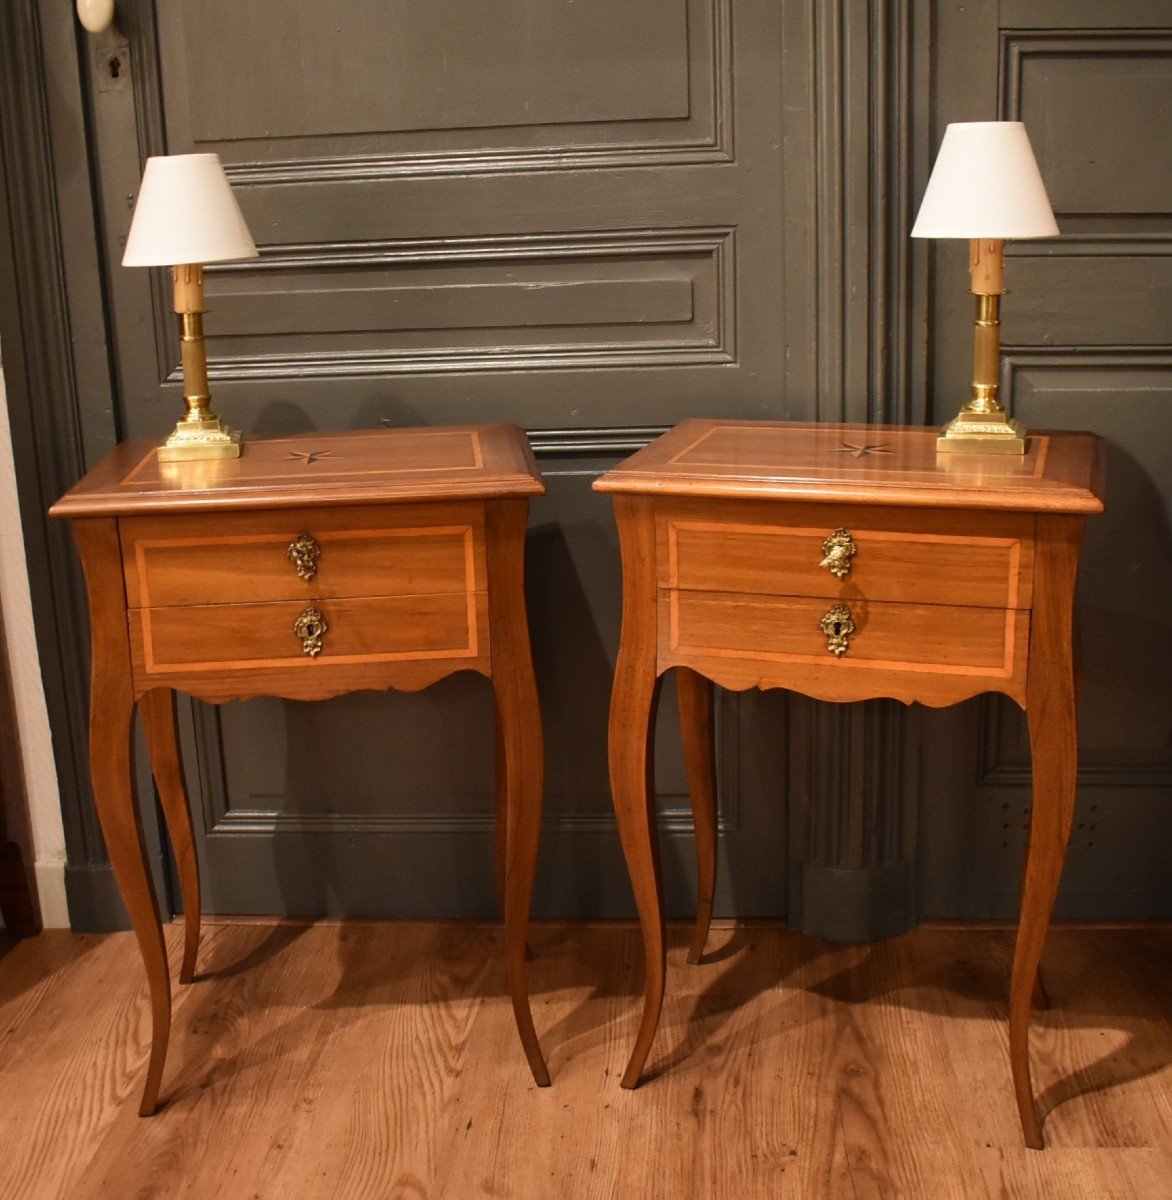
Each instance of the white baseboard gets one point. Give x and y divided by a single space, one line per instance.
51 892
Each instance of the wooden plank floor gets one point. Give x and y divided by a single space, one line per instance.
381 1061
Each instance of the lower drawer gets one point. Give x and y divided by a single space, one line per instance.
223 638
917 638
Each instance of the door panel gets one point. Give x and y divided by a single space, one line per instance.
588 217
565 216
1085 346
702 211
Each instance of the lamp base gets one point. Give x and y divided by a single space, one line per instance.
982 433
200 439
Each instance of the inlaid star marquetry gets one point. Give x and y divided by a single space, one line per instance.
863 450
311 456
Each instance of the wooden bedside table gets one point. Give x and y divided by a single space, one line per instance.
309 567
846 562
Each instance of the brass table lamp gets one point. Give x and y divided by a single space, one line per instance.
986 187
185 216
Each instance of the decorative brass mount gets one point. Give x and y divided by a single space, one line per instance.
200 433
983 426
839 549
303 554
838 625
310 628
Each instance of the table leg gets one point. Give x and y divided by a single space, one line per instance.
522 754
162 737
1038 997
1050 706
697 730
632 758
501 824
112 776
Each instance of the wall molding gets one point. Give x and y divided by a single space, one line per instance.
1081 233
714 279
40 326
1104 770
618 441
714 144
869 95
854 790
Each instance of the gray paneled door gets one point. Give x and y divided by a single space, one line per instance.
1087 344
562 215
593 218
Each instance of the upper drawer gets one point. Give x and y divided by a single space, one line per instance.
982 560
236 558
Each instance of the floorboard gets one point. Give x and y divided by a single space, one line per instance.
380 1060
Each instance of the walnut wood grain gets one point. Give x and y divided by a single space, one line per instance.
902 555
864 464
172 644
962 583
934 654
632 761
112 776
519 726
363 467
698 731
420 574
324 682
1051 711
242 557
157 709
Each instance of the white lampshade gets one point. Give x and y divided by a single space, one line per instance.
186 213
985 184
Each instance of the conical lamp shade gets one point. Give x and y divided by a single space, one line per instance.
985 184
186 213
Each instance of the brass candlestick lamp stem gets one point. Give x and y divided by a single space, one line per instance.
186 216
200 433
982 426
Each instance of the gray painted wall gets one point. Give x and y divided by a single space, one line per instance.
712 203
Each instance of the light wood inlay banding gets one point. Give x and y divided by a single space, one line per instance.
419 568
254 567
898 565
961 582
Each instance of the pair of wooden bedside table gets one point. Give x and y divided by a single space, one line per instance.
844 562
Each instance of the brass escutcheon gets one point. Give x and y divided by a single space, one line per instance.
303 554
310 627
838 625
839 549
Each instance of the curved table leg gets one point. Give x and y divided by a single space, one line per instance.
162 737
630 736
698 733
1050 706
501 825
111 771
1039 999
521 752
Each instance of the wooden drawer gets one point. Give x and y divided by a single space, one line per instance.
921 638
238 558
971 560
247 637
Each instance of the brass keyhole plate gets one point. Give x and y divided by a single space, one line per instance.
837 626
311 628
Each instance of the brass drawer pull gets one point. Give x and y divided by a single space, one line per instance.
838 625
303 554
310 628
839 549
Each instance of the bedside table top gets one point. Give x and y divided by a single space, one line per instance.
872 464
456 462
